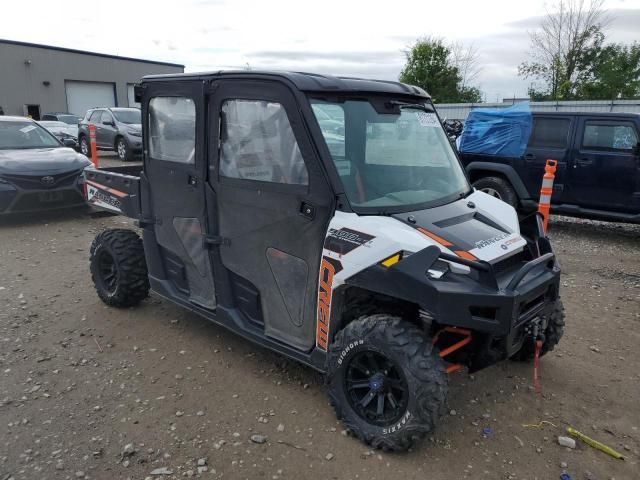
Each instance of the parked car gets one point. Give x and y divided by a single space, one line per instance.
117 129
37 171
598 174
68 118
62 131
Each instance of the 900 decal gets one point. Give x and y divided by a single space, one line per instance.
328 268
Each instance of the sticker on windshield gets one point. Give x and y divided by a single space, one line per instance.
427 119
27 129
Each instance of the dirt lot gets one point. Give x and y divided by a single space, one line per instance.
79 381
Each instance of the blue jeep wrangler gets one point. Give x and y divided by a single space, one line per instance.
598 173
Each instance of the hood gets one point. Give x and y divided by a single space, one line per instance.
41 160
477 227
134 126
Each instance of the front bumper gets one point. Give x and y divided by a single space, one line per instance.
23 194
134 143
496 303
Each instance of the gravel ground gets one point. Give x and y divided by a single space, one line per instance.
156 392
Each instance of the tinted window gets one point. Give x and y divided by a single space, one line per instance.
258 143
550 133
172 129
609 137
106 117
95 116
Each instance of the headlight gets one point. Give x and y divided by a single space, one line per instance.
438 269
135 133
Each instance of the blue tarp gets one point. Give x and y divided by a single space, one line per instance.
497 131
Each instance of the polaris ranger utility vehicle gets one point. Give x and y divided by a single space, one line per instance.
358 248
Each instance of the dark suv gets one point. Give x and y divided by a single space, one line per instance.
117 129
598 174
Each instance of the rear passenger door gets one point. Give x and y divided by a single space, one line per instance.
174 174
604 169
550 139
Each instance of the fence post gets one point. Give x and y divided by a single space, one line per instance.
94 148
544 204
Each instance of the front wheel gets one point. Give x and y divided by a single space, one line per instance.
118 268
84 146
387 382
122 149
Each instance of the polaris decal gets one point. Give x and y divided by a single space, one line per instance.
104 197
490 241
344 240
328 268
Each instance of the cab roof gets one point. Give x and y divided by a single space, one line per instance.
308 82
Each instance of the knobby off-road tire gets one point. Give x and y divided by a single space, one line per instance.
118 268
408 357
552 335
498 187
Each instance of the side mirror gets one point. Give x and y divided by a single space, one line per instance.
69 142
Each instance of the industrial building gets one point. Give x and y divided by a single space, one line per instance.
37 79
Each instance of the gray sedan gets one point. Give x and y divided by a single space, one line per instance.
37 171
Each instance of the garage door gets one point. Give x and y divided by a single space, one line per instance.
81 96
131 96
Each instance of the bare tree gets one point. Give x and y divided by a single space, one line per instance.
563 45
466 60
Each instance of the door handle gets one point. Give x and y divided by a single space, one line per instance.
584 162
529 157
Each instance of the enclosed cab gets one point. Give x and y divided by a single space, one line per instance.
330 220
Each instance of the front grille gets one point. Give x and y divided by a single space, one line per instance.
33 201
34 182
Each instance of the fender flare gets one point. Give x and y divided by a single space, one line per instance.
507 171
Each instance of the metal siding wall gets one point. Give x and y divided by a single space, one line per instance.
459 111
21 83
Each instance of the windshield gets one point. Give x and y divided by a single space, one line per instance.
23 135
128 116
69 119
393 157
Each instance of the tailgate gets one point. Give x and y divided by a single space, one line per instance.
113 191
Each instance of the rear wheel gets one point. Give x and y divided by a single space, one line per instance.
499 188
118 268
386 381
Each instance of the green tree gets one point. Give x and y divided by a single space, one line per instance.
430 65
564 48
613 73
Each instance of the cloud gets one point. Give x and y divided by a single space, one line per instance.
364 40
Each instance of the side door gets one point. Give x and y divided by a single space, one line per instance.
95 119
604 169
174 175
550 139
274 204
106 130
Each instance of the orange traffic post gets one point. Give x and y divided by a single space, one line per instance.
544 205
94 148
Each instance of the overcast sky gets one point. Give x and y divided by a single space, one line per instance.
345 37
